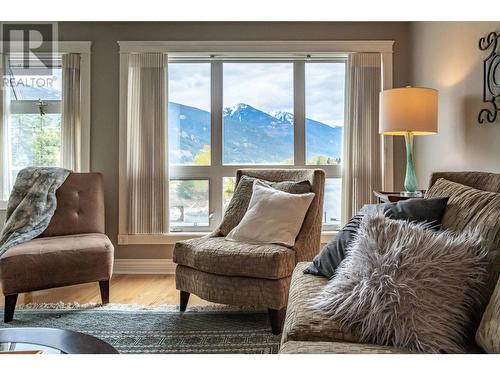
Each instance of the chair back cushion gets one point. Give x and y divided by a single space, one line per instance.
80 206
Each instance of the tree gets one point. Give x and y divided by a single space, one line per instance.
203 157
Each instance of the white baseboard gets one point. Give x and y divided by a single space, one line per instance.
144 266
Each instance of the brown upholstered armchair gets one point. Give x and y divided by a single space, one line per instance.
248 274
72 250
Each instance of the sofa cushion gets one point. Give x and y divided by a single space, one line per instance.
323 347
488 334
51 262
220 256
302 323
470 208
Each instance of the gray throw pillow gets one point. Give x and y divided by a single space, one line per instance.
241 198
429 211
406 286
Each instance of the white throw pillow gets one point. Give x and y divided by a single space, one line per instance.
273 216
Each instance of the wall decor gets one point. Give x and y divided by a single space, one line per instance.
491 77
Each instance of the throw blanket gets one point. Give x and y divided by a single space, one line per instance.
31 205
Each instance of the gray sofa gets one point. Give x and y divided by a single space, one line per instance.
306 331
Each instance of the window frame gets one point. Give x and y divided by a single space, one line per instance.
224 51
63 47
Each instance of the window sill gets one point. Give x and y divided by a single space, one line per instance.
172 238
3 205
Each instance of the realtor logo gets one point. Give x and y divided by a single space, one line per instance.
32 45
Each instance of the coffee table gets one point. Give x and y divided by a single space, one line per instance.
52 340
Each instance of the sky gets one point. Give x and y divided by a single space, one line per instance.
265 86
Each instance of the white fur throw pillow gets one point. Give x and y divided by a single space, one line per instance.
404 285
273 216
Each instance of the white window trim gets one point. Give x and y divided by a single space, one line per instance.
220 48
84 49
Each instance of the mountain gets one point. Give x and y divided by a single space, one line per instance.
250 135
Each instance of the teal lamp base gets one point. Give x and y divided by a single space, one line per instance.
410 178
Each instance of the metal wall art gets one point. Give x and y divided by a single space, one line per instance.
491 77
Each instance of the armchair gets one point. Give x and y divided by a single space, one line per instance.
256 275
72 250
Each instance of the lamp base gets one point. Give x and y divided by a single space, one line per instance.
414 194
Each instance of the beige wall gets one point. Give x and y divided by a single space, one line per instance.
445 56
105 81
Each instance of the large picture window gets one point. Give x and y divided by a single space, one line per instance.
229 114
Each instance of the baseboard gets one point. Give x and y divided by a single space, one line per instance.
144 266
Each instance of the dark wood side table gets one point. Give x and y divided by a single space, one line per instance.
393 196
52 340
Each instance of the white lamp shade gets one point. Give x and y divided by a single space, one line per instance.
408 109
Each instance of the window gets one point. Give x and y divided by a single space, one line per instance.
234 113
31 119
34 123
189 114
258 113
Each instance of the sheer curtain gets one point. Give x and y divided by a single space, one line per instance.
4 144
362 168
147 166
71 112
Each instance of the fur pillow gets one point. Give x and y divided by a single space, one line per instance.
404 285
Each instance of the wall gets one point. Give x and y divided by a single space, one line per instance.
445 56
105 81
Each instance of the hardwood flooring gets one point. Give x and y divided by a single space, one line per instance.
149 290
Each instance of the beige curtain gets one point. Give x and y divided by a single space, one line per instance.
71 101
362 167
4 149
147 167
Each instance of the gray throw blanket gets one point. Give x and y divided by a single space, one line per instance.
31 204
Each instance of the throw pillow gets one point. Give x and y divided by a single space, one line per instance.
241 198
428 211
404 285
488 334
273 216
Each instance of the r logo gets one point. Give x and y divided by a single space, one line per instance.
32 43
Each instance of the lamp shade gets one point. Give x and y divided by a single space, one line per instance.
408 109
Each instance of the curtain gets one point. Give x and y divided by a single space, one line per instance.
147 166
4 144
362 167
70 123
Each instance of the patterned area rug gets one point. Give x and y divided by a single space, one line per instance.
138 329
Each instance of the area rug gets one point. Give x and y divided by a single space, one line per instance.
138 329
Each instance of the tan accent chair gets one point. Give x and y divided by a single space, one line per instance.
250 275
72 250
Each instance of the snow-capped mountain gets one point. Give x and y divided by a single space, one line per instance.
250 135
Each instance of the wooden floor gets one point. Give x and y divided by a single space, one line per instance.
149 290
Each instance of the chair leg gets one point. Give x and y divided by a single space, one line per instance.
104 287
10 306
276 318
184 300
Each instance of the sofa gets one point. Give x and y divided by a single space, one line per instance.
306 331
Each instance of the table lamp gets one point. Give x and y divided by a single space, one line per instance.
409 111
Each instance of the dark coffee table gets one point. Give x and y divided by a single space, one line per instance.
52 340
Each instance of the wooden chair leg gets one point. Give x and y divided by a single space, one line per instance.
10 306
276 317
104 287
184 300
